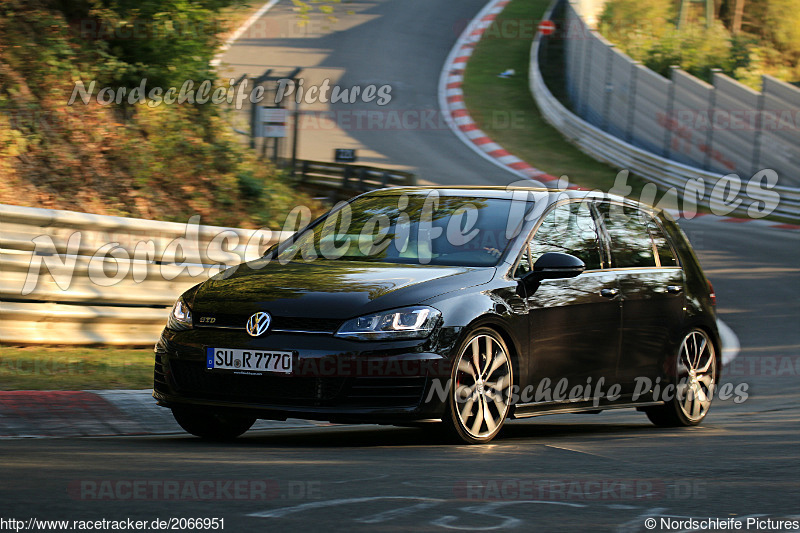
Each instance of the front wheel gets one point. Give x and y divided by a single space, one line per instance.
480 388
211 425
696 372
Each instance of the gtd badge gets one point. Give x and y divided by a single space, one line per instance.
258 324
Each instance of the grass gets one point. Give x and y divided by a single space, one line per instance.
505 110
491 99
74 368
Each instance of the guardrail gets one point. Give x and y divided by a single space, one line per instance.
614 151
78 278
341 181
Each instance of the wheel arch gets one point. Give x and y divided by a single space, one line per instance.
713 334
676 337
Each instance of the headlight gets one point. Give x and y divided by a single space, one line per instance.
407 323
180 317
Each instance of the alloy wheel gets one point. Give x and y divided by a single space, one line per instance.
696 375
482 387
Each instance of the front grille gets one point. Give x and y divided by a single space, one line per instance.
387 391
317 325
159 375
193 380
279 323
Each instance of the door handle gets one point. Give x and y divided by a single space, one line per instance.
674 289
609 293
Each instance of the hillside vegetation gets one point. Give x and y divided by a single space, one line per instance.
763 39
153 161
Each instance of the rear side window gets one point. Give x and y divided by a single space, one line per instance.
631 244
570 229
666 256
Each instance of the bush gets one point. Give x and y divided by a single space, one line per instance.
636 24
646 31
167 162
695 48
249 186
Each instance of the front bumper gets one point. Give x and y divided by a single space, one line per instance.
333 379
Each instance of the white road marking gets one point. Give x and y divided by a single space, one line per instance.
283 511
488 509
395 513
730 343
240 31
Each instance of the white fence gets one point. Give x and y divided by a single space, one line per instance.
613 120
724 127
76 278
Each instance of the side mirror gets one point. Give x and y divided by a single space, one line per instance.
557 265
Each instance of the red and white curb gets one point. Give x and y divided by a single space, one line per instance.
43 414
451 102
456 114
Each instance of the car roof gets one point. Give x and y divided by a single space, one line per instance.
506 192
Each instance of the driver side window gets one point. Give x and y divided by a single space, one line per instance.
570 229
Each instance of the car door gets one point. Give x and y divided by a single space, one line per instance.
652 288
575 322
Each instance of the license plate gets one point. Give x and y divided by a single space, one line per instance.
248 360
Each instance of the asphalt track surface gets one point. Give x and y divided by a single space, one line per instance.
402 44
543 474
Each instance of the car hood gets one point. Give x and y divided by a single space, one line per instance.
329 289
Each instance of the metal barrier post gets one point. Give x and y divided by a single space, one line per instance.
608 89
670 104
632 100
759 134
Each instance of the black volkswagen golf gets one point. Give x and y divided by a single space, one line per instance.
454 309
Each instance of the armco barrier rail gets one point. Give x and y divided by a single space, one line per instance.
613 150
76 278
722 127
339 181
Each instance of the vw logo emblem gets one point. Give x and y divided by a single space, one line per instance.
258 324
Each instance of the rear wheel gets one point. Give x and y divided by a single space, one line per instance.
211 425
696 371
480 388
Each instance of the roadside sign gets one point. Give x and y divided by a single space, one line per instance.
546 27
345 155
272 122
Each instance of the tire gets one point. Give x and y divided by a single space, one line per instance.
211 425
695 379
479 398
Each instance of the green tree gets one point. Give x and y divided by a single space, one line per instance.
768 43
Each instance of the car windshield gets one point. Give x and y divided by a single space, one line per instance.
409 228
